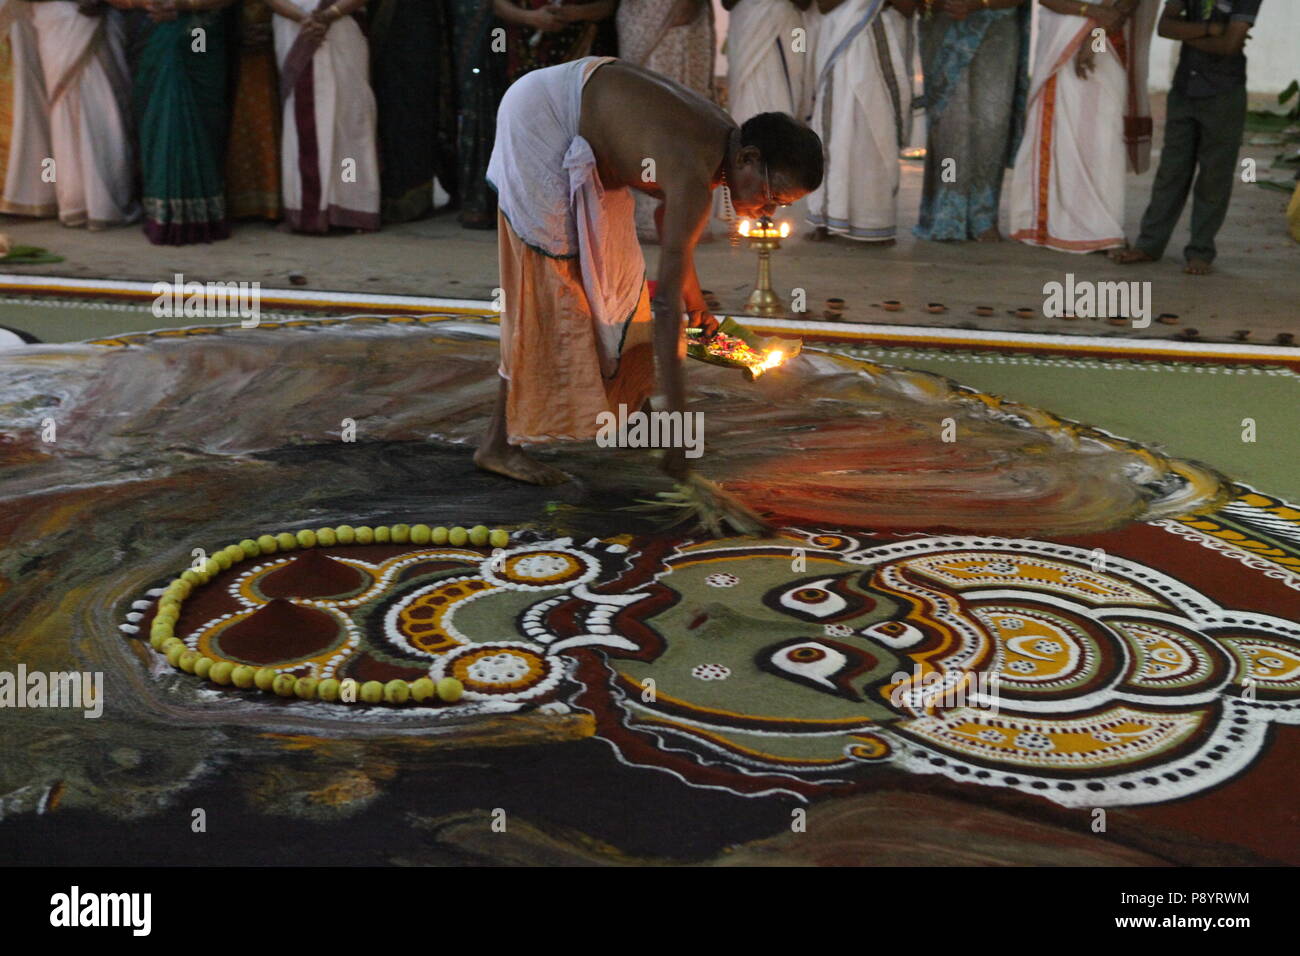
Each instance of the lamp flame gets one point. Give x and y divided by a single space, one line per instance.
785 232
743 228
774 358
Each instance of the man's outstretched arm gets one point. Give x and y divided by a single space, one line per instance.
692 295
686 212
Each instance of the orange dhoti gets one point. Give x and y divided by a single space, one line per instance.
575 321
549 349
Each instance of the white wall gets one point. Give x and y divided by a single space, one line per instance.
1273 50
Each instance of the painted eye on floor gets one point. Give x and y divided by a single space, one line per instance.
895 634
819 599
822 664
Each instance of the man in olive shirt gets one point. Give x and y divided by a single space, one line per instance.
1203 130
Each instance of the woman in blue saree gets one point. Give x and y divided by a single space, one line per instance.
975 54
179 65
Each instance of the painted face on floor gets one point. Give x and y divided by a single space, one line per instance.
786 664
823 640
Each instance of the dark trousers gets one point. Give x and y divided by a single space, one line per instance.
1202 140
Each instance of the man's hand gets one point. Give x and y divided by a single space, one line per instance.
706 321
315 28
1085 61
674 463
550 18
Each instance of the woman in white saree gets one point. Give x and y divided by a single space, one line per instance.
769 49
330 161
1089 116
28 185
862 110
78 116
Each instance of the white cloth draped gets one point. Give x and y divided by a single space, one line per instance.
765 73
345 190
1067 188
28 189
862 111
545 176
83 64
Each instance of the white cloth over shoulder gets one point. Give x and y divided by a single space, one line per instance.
339 129
88 85
862 111
545 176
26 191
765 67
1067 188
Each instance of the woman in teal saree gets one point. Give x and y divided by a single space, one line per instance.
975 55
179 60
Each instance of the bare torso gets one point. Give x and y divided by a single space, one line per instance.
630 115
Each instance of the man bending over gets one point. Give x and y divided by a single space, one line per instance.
579 335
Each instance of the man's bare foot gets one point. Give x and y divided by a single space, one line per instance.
820 234
1198 267
1128 257
990 234
513 463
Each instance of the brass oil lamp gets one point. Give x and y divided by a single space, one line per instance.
764 237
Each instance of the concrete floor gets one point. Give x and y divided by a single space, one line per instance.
1256 287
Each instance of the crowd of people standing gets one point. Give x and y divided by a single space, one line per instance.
325 114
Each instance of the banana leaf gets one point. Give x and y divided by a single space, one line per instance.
29 255
698 348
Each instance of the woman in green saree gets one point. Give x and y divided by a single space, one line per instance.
179 61
975 54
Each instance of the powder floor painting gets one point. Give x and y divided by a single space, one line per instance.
976 619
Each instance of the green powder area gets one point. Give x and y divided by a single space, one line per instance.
1185 410
61 320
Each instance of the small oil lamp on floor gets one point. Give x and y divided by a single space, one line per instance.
764 237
